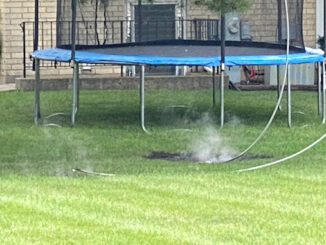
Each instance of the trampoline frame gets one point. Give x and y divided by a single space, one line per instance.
321 91
321 98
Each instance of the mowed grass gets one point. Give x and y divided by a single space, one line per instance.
158 201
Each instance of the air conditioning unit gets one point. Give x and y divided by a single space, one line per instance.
232 33
232 26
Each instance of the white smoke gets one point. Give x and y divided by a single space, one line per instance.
211 147
234 121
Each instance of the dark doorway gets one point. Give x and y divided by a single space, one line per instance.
157 22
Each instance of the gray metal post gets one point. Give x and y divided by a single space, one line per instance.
222 68
319 100
78 85
323 95
289 96
37 113
279 21
36 23
36 28
323 69
73 28
279 37
142 97
74 93
58 27
140 16
214 86
222 94
278 85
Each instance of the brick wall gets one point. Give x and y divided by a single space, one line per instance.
200 12
309 23
14 12
262 17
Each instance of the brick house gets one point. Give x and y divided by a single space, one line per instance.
14 12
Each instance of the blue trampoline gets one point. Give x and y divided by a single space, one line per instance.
83 35
183 52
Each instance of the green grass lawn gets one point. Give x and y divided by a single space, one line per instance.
158 201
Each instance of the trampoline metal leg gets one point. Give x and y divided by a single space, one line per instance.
74 93
142 97
214 86
278 85
289 97
222 95
319 101
78 85
37 113
323 95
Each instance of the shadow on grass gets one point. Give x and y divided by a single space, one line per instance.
107 136
181 117
163 108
